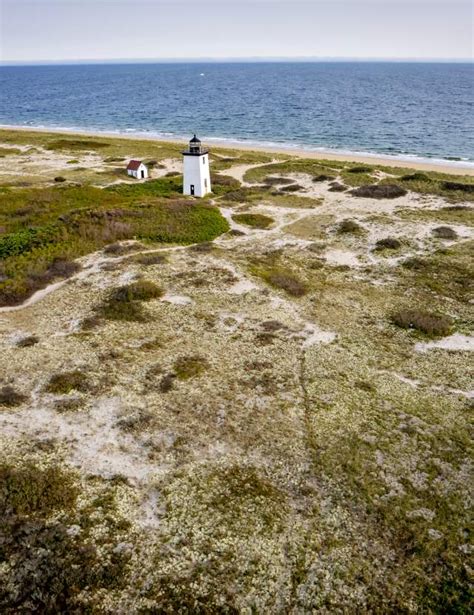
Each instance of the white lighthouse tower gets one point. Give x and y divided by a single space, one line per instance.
196 178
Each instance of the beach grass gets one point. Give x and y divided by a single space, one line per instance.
43 227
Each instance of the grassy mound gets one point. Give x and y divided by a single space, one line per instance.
189 367
433 325
350 226
124 303
387 243
67 382
10 397
46 229
444 232
254 220
379 191
281 278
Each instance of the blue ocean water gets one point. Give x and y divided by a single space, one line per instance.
400 109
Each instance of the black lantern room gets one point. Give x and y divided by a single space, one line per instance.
195 148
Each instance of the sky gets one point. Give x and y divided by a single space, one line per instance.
68 30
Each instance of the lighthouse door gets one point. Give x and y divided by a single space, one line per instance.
192 189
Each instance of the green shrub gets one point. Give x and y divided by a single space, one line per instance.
190 366
124 303
65 223
445 232
359 169
253 220
337 187
379 191
278 181
458 186
76 144
167 382
416 263
28 488
142 290
292 188
66 382
150 259
26 240
59 179
416 177
349 226
388 243
431 324
27 341
287 281
10 398
322 177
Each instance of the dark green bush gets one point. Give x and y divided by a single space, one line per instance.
322 178
27 489
379 191
359 169
416 177
444 232
292 188
254 220
388 243
9 397
337 187
278 181
287 282
66 382
190 366
468 188
124 303
431 324
349 226
27 341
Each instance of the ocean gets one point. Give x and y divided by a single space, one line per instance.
407 110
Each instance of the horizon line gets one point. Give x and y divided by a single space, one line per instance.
250 59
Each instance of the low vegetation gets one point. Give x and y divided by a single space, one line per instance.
27 341
259 221
59 224
72 144
278 181
444 232
387 243
433 325
292 188
230 457
379 191
65 382
187 367
125 303
446 273
281 278
10 397
337 187
70 549
350 226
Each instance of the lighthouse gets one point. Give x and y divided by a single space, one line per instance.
196 178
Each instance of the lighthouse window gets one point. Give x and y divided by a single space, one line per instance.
204 160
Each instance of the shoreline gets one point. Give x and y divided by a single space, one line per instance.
436 165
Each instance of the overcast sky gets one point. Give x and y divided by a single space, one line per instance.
34 30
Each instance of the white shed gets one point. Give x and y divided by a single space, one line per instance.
137 169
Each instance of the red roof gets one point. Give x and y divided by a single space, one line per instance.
133 165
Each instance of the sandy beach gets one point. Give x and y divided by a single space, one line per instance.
453 168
